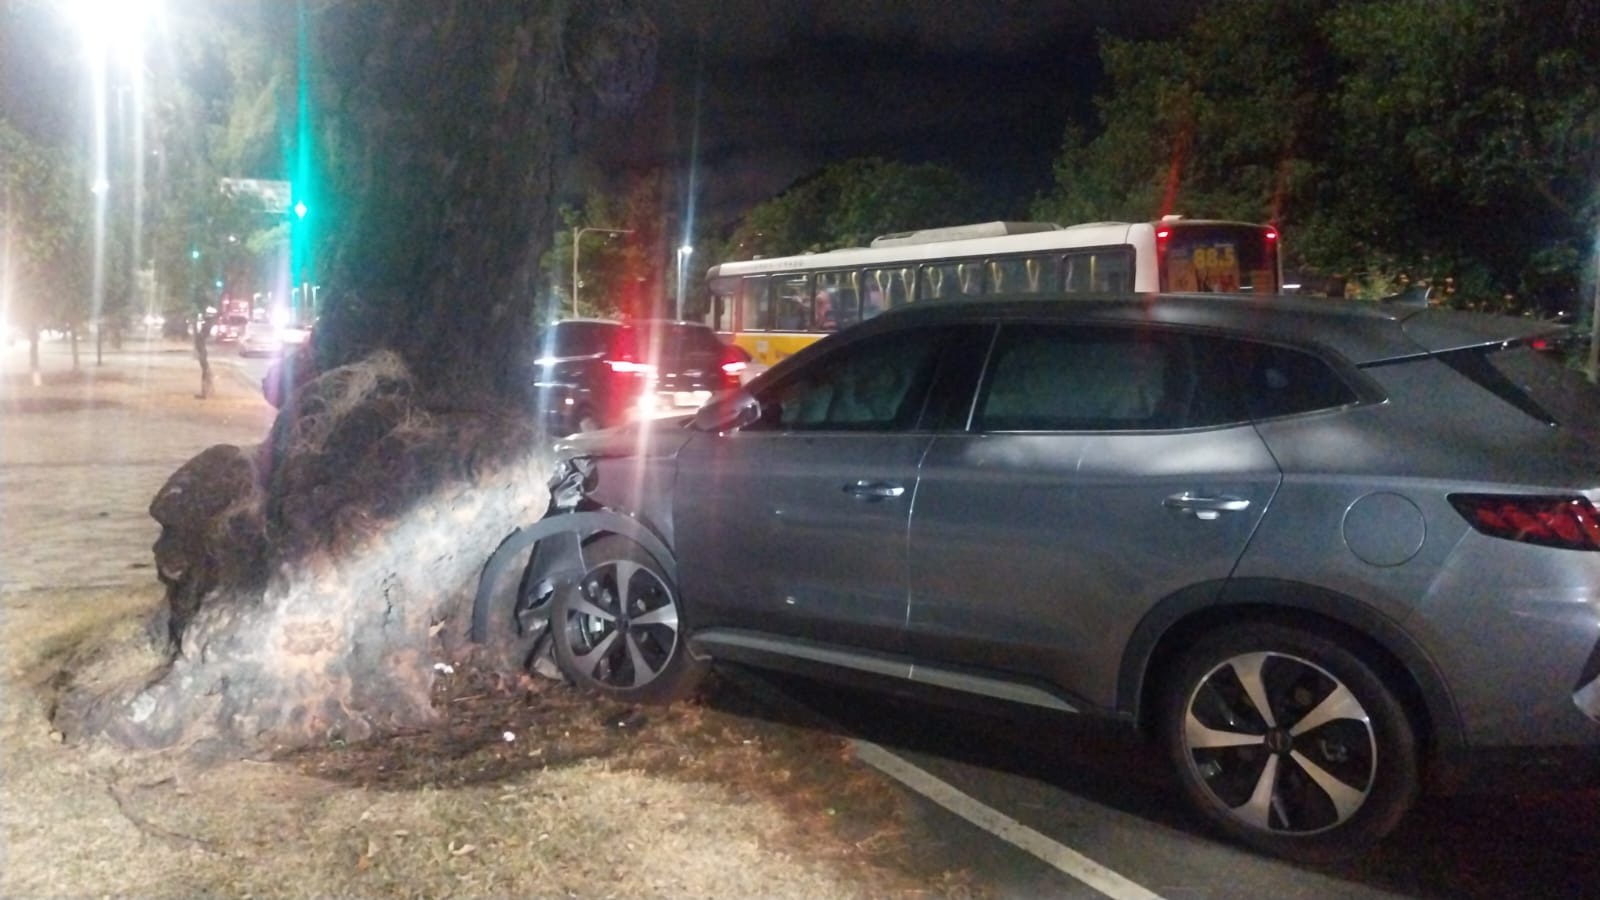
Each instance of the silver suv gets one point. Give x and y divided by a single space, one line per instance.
1325 552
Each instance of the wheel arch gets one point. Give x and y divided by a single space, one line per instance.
1173 626
565 533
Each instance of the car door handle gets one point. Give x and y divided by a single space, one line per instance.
1205 508
874 490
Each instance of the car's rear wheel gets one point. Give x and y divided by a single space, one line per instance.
1289 742
619 632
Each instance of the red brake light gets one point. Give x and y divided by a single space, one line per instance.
1272 234
1570 523
1163 233
734 361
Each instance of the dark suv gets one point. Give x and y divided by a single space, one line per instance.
595 373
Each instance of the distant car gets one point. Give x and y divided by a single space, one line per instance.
260 340
596 373
1324 552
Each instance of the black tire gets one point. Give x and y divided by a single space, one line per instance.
1327 772
619 632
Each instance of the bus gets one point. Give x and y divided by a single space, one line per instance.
773 307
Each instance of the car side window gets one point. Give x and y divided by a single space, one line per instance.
876 384
1062 377
1280 381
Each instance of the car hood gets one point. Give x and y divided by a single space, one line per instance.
651 438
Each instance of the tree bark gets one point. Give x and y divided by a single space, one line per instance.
33 357
453 119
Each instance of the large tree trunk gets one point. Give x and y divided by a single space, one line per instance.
452 118
314 580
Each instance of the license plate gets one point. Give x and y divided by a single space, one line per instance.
691 398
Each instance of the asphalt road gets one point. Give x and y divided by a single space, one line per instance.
1104 794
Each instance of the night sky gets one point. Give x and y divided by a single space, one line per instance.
986 86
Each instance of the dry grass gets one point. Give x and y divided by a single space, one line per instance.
715 798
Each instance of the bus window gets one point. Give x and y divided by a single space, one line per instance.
724 292
1021 275
1101 271
755 310
791 301
1219 257
837 303
886 288
950 279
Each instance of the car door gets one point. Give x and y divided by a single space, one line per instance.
1106 467
796 525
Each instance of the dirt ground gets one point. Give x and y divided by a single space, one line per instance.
525 787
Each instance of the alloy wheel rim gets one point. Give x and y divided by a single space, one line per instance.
623 627
1280 743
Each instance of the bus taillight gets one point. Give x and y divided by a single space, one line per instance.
1272 234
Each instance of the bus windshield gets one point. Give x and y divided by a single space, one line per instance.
1217 257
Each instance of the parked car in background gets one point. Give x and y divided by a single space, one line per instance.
596 373
1324 553
260 339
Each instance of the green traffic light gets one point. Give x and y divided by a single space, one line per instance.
194 254
300 209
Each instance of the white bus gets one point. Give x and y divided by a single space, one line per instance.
773 307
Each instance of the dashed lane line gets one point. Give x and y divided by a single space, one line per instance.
1063 858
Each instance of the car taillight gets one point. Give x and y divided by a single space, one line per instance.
734 361
1570 523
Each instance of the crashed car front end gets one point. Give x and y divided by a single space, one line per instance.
617 481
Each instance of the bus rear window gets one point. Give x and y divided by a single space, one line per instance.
1217 258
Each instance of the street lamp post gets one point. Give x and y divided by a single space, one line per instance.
684 253
577 233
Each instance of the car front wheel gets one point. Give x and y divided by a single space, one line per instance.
619 632
1289 742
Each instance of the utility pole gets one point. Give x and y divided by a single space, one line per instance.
1594 332
576 234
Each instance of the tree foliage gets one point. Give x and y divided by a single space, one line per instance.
1453 138
44 201
622 274
848 204
210 115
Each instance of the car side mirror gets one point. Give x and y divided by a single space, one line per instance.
727 413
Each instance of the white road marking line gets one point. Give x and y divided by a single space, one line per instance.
1065 859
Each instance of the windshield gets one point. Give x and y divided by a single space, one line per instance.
1218 258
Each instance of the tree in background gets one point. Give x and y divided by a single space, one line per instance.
622 274
43 213
1482 117
850 203
1391 138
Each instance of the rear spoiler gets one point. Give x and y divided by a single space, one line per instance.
1443 330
